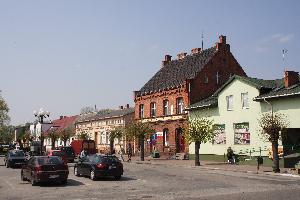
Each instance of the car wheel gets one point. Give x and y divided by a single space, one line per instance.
76 171
64 182
118 177
92 175
23 177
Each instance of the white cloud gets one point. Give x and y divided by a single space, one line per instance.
266 43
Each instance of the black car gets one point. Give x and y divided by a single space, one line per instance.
97 165
45 169
69 153
15 158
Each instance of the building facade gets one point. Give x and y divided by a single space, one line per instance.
59 124
179 83
236 109
98 126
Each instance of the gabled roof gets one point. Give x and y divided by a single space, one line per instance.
105 115
255 82
260 84
175 72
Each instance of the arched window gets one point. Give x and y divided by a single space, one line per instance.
179 105
141 111
166 107
152 109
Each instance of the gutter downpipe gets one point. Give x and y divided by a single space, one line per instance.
271 107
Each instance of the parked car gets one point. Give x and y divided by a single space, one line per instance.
69 153
58 153
97 165
4 148
45 169
15 158
79 145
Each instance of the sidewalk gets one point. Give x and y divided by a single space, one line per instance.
213 165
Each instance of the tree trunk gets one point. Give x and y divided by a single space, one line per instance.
142 148
65 143
197 159
275 157
111 146
52 144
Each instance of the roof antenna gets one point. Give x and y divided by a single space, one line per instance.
284 51
202 40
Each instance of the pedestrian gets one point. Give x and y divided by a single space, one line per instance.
83 153
129 152
121 152
230 155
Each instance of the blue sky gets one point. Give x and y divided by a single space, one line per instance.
64 55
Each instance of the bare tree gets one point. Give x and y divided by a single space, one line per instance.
272 126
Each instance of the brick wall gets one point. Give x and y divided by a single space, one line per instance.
158 98
205 83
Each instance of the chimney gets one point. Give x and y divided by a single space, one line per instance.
181 56
127 105
121 107
222 42
61 117
195 50
167 59
290 78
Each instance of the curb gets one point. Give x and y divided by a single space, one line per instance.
220 169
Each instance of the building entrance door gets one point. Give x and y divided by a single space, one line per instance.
180 141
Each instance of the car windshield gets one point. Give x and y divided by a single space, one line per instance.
110 159
51 160
17 154
57 153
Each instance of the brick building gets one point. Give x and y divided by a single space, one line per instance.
179 83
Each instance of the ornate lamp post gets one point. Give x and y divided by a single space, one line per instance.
41 114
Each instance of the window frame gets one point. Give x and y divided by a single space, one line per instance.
141 111
243 94
228 98
166 110
152 109
178 105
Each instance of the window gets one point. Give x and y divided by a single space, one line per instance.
179 102
205 78
229 100
141 111
241 133
152 109
217 77
245 102
166 107
220 136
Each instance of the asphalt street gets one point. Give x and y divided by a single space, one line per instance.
145 181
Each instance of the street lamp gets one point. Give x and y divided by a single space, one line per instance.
41 114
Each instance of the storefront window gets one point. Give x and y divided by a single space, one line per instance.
220 136
241 133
